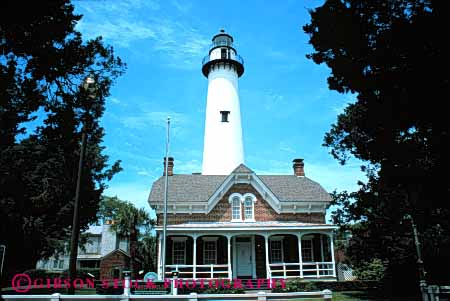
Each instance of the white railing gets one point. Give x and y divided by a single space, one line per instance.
325 295
304 270
206 271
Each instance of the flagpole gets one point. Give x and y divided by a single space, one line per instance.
166 187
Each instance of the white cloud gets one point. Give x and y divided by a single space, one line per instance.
180 44
156 119
144 173
120 33
348 99
182 6
187 167
114 100
283 146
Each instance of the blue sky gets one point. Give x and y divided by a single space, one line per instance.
286 106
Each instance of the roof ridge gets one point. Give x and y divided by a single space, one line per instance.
242 168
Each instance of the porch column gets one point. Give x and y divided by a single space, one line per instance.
300 259
332 254
159 257
230 272
266 243
194 260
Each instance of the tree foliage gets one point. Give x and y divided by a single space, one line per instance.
43 62
394 56
136 225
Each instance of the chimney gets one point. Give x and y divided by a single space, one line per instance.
169 167
298 166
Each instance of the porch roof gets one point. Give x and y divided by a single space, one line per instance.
245 226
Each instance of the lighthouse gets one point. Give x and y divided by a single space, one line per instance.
223 148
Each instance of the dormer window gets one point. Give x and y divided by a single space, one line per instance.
224 115
242 202
236 208
248 208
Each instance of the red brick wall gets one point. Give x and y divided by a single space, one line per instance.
222 211
107 265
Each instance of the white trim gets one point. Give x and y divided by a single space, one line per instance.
251 179
233 246
332 253
266 248
194 257
285 207
231 199
230 271
209 238
315 229
251 195
252 198
159 257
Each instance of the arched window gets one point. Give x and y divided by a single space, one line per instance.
248 209
242 207
236 208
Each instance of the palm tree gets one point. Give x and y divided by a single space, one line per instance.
129 222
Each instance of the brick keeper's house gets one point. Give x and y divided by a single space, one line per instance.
229 222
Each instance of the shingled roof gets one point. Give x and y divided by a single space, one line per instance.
199 188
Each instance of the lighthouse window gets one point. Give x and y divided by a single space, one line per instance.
223 53
224 115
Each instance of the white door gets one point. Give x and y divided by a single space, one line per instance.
244 258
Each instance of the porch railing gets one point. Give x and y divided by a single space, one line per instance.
304 270
205 271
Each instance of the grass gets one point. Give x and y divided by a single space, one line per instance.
358 296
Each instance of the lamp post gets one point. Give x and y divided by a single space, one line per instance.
88 85
420 265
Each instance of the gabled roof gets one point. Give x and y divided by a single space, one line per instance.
116 251
201 192
185 188
242 169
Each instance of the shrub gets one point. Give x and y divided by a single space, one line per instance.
298 285
373 270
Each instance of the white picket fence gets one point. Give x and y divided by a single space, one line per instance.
259 296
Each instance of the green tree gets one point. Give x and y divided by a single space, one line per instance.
43 62
136 225
394 57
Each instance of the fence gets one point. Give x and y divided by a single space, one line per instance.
304 270
260 296
436 293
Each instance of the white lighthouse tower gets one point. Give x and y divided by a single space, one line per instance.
223 149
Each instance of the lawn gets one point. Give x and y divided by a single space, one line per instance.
358 296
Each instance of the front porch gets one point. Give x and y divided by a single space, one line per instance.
265 253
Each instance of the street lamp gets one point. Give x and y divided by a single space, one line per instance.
88 86
420 265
